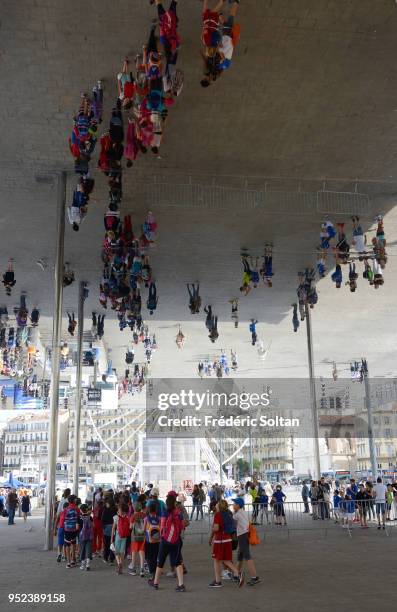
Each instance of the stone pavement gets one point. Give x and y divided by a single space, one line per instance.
304 572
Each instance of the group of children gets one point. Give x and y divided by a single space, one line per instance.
343 253
127 271
307 295
219 36
144 98
335 239
82 144
149 344
219 366
134 382
252 273
130 524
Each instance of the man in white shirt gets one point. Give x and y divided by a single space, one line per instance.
242 528
379 493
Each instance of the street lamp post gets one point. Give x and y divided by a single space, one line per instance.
313 400
56 356
77 418
370 416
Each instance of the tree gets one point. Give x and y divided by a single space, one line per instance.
242 467
257 464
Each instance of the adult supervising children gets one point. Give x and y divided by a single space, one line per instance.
242 529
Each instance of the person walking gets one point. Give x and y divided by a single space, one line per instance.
25 506
252 329
109 511
195 502
241 520
72 323
221 539
194 297
152 300
86 537
380 491
12 505
305 497
172 526
9 277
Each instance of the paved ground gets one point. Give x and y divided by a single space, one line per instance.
306 571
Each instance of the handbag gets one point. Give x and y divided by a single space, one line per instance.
253 537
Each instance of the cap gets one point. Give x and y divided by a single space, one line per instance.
239 501
155 492
172 494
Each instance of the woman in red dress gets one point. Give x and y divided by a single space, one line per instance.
221 541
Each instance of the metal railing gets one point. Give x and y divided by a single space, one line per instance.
298 516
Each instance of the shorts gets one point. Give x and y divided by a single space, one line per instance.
119 545
227 26
137 546
70 537
174 552
350 515
61 536
279 509
380 507
243 553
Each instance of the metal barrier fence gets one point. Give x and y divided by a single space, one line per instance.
298 516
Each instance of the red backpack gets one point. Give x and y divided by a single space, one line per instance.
168 27
123 526
172 527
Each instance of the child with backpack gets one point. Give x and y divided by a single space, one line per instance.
172 526
120 533
71 530
152 537
61 532
219 37
221 539
138 532
86 537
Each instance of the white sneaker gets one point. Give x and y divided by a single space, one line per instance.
131 566
82 566
226 575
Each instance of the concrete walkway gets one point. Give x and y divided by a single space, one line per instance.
305 571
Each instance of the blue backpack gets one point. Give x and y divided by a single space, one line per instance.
156 101
228 522
71 519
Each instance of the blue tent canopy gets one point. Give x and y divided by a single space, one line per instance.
12 483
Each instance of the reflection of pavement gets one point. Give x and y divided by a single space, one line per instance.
287 567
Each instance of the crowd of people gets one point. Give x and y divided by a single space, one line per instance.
253 271
82 144
353 502
220 366
373 258
12 500
220 34
18 336
134 527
